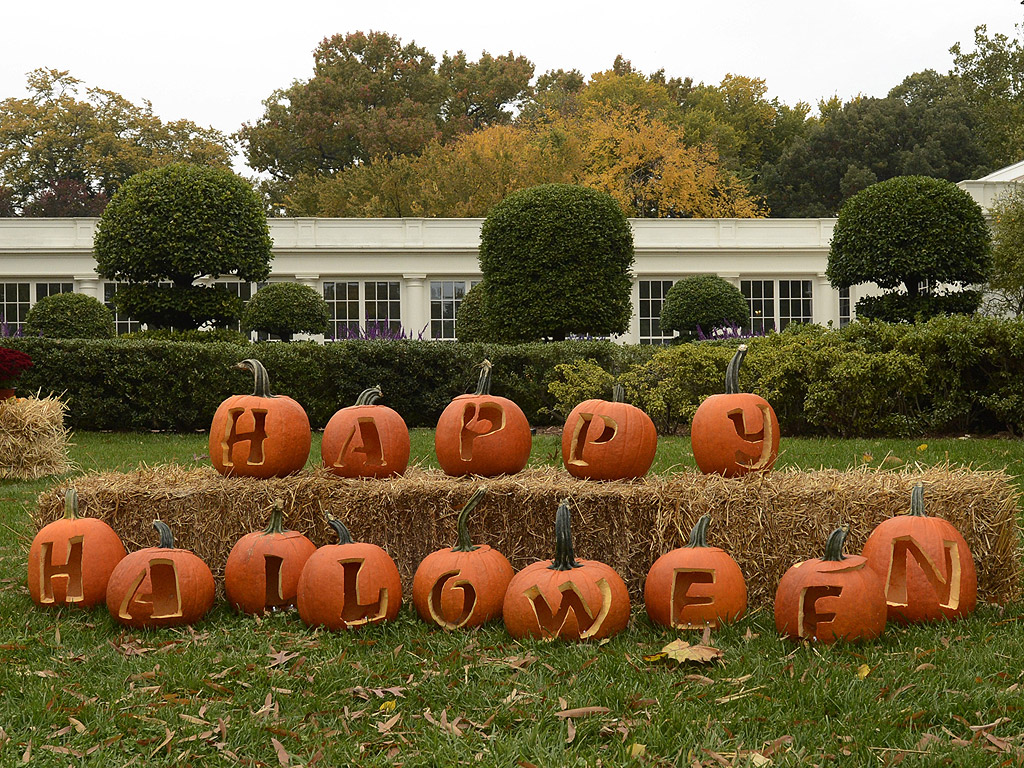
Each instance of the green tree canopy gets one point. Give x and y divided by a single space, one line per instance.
64 155
707 301
556 259
1007 282
285 309
172 225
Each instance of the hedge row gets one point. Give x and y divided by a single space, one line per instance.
137 384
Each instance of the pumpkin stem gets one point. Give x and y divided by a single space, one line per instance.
565 559
166 537
732 373
344 537
834 545
917 501
71 504
483 384
276 519
369 396
699 533
618 393
262 385
465 543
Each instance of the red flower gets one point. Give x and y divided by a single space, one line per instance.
12 364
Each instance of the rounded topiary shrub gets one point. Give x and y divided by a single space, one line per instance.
70 316
284 309
708 301
557 261
471 317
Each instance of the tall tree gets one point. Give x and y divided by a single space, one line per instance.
61 155
485 92
1007 282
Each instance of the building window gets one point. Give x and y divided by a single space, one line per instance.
761 298
445 298
52 289
844 307
652 298
383 305
794 302
122 323
15 305
343 300
242 291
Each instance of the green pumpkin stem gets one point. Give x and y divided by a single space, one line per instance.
834 545
483 384
699 533
369 396
71 504
344 537
166 537
732 373
565 559
465 543
262 384
618 393
276 519
917 501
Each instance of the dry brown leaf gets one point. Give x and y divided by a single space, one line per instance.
283 758
682 652
570 731
582 712
389 724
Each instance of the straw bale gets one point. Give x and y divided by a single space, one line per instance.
33 439
766 522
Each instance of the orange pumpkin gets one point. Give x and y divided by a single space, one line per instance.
463 586
566 598
925 564
695 586
160 586
366 440
735 433
604 440
482 434
71 559
259 435
836 597
348 584
262 571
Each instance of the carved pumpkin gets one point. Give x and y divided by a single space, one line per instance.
348 584
836 597
566 598
925 564
160 586
366 440
695 585
604 440
71 559
735 433
463 586
259 435
262 571
481 434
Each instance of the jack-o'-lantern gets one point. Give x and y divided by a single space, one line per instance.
604 440
262 572
462 586
925 564
160 586
695 586
349 584
836 597
735 433
259 435
566 598
482 434
71 559
366 439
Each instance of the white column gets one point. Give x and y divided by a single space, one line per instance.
89 285
415 307
313 281
825 306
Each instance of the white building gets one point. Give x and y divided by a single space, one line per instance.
412 273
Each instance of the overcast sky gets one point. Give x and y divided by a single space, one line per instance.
213 62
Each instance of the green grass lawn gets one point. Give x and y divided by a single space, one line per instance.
77 689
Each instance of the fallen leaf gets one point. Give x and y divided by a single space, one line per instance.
582 712
863 671
923 447
682 652
389 724
637 750
570 731
283 758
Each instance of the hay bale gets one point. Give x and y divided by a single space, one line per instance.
33 439
767 522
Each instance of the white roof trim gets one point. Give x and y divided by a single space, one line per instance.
1013 172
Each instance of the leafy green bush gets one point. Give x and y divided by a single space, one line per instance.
572 383
227 335
471 318
70 316
901 308
708 301
285 309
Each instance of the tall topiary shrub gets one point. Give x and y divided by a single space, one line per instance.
70 316
471 318
557 260
906 232
708 301
285 309
168 226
